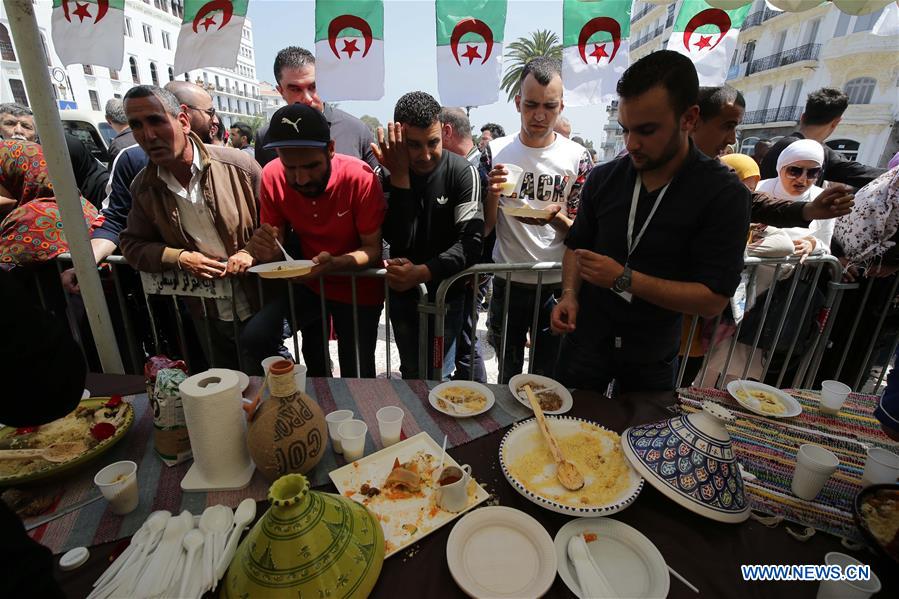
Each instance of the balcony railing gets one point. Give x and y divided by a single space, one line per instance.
806 52
772 115
737 70
760 16
642 12
648 36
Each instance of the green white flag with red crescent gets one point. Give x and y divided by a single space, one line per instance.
470 51
349 49
708 36
594 48
210 34
89 32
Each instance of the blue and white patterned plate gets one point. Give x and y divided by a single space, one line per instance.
522 439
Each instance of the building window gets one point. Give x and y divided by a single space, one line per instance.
88 69
160 4
842 25
766 98
6 49
171 73
793 91
95 99
148 34
749 52
135 76
18 92
178 8
166 41
860 90
113 74
128 27
154 76
669 19
847 147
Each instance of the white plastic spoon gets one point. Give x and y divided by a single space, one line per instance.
244 514
208 546
124 581
222 520
193 540
158 573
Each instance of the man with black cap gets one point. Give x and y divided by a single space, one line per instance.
335 205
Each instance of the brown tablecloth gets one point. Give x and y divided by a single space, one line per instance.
706 553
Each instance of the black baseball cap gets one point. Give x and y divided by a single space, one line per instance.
298 126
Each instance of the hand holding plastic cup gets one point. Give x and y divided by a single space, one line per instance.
118 483
334 420
814 465
513 175
846 589
881 467
833 396
352 437
390 424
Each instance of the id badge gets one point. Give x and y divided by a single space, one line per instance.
625 295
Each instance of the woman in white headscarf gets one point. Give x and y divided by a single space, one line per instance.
798 167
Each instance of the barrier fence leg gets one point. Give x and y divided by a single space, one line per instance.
858 317
863 373
473 337
831 307
534 319
208 327
795 339
886 366
293 322
387 324
772 351
502 351
711 348
355 327
758 334
683 363
156 348
236 323
129 329
182 340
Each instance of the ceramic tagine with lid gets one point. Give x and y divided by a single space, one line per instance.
690 459
308 544
288 433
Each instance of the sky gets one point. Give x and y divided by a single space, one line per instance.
410 54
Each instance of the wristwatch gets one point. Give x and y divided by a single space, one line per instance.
623 283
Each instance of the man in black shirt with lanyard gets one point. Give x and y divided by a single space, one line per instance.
659 233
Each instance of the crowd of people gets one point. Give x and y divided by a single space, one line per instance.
655 234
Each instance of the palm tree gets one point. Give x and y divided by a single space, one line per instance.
522 51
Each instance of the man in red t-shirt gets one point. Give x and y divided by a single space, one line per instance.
335 205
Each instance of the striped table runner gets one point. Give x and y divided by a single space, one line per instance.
160 486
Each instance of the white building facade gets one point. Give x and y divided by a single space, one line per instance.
151 33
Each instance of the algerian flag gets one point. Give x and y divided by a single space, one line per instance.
708 36
595 48
888 23
349 49
89 32
470 51
210 34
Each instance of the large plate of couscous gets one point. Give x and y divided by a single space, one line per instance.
610 483
99 422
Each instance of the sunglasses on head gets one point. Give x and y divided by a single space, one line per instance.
794 172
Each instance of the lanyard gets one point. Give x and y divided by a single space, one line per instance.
631 241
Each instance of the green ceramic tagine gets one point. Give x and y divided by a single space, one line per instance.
308 544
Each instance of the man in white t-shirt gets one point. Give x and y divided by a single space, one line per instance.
554 169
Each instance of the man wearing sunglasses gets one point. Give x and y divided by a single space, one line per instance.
197 104
824 110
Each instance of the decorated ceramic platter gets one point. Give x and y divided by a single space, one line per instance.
610 483
96 422
764 400
461 399
877 516
398 485
553 397
285 269
501 552
630 562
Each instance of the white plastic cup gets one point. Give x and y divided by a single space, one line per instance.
352 437
833 396
118 483
846 589
881 466
267 363
390 424
814 465
513 175
334 420
299 377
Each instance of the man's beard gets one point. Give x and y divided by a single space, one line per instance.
668 153
317 189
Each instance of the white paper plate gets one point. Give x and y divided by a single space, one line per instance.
521 438
435 392
501 552
520 379
793 407
373 469
631 563
284 269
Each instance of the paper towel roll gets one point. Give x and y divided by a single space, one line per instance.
218 431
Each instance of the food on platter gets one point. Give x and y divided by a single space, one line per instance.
597 454
880 515
88 426
767 402
29 502
548 396
464 400
404 478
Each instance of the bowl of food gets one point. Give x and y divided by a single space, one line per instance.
764 400
554 398
610 483
97 424
285 269
877 516
461 399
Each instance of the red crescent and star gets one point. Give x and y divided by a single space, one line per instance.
709 16
470 53
82 13
350 46
477 27
591 28
211 7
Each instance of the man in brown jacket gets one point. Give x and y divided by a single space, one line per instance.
194 209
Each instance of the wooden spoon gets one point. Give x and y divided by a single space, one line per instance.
56 453
567 473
